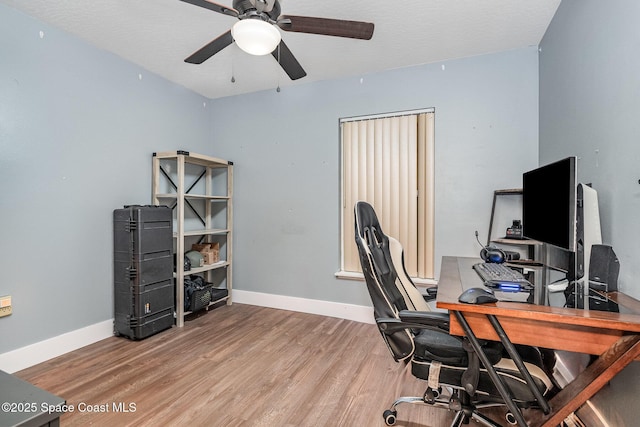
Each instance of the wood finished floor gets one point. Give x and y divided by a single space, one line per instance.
239 365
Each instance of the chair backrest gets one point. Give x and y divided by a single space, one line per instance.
412 296
389 286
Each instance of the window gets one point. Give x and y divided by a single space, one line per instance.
388 161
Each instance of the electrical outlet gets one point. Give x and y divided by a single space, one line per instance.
5 305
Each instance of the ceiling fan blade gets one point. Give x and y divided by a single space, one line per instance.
214 6
288 62
210 49
327 27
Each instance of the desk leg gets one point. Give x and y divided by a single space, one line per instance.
502 389
513 353
600 372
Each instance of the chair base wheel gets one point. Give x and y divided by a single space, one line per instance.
511 419
431 395
390 417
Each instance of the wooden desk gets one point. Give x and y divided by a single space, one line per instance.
26 405
615 337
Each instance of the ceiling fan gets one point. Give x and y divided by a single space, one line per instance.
256 31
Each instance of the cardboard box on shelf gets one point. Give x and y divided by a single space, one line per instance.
210 251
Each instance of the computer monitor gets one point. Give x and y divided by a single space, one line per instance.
549 195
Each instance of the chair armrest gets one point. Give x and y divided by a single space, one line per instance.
425 318
414 320
431 293
433 290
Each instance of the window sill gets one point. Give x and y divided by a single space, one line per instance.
352 275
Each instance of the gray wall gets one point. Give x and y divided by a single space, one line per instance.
589 104
77 130
287 163
78 126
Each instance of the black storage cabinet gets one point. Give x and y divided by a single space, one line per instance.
144 293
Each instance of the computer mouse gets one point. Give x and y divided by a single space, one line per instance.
477 296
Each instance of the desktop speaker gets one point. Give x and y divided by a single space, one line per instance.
604 268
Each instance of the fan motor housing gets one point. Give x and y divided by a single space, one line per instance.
243 6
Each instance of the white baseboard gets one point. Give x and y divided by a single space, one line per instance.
358 313
42 351
24 357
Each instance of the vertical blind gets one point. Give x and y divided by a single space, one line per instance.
389 163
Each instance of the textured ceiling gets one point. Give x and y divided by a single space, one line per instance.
158 34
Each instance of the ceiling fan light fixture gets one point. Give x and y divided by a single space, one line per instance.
255 36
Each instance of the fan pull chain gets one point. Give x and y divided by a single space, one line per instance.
278 88
233 73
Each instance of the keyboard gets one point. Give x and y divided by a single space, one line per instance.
500 277
489 271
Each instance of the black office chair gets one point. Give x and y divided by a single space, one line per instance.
420 337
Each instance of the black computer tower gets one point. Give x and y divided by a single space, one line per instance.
144 292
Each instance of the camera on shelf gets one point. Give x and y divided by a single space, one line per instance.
515 231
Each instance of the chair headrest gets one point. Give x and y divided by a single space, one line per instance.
365 217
